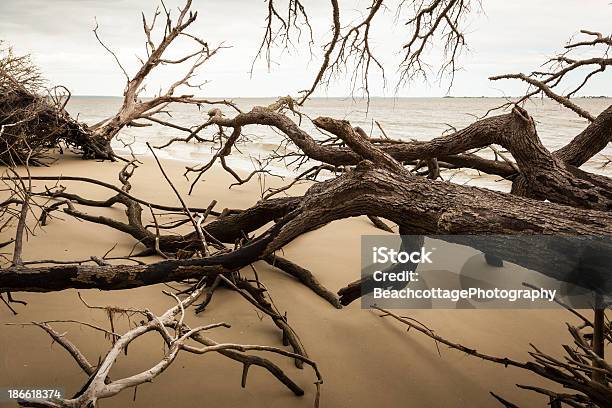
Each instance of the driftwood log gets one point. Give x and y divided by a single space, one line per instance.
378 186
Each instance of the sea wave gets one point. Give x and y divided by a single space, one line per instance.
401 118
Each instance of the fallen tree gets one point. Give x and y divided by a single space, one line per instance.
34 119
378 186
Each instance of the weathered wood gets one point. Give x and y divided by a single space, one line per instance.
304 276
423 205
60 277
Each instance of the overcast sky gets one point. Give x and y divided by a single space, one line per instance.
510 36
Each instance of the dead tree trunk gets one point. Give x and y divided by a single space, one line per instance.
32 124
420 204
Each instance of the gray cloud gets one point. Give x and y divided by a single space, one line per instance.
512 36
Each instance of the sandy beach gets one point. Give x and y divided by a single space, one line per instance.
365 360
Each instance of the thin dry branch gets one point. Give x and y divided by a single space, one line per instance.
562 67
441 18
571 373
133 107
100 386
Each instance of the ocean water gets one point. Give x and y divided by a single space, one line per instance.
401 118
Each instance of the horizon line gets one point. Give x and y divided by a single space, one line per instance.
351 97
